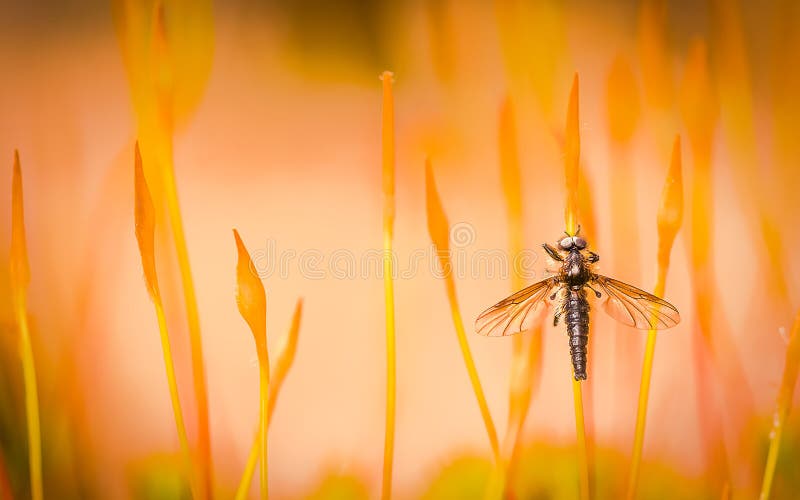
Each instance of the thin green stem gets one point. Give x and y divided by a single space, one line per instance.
264 424
193 317
644 391
772 460
391 382
580 432
473 371
172 383
31 400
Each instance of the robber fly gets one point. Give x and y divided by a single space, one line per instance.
566 290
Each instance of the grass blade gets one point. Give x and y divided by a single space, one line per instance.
252 302
388 165
670 217
526 349
20 277
790 371
284 363
439 229
145 237
572 160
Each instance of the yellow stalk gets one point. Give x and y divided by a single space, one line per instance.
572 154
168 62
20 277
285 360
195 340
439 229
654 54
164 100
145 231
699 109
654 58
670 217
526 349
572 158
511 180
735 91
263 387
622 104
790 371
252 302
580 432
172 382
388 160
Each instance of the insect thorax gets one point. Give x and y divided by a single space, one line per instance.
575 270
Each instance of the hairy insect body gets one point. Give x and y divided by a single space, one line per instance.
575 309
576 316
575 270
625 303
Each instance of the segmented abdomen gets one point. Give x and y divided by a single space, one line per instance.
576 311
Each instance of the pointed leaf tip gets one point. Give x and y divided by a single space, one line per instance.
20 269
287 353
670 212
250 296
438 226
144 225
572 157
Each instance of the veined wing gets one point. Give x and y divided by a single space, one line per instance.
635 307
516 313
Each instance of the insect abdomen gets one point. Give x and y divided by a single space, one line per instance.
576 310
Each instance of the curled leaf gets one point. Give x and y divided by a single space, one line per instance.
145 225
250 296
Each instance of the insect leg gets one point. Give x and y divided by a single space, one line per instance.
593 257
552 252
596 293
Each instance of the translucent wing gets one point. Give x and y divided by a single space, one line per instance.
516 313
635 307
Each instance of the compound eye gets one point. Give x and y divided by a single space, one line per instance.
565 244
580 243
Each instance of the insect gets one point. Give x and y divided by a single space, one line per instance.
566 290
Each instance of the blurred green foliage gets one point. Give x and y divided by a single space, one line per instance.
159 477
340 487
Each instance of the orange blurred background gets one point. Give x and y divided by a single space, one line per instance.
277 134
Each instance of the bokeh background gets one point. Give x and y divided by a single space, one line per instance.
277 109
